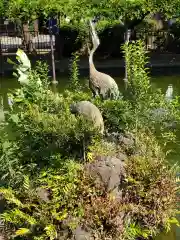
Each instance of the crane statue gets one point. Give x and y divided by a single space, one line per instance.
100 83
89 111
169 93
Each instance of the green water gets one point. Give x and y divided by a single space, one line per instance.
8 84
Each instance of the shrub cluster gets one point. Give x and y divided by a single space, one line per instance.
47 188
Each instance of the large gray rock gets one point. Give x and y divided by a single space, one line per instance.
108 171
120 138
121 156
126 141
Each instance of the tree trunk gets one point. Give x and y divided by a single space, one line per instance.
152 39
27 37
131 24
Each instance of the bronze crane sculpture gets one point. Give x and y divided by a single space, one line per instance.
100 83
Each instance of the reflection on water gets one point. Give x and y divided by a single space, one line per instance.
160 82
172 235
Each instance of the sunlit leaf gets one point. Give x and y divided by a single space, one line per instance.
22 231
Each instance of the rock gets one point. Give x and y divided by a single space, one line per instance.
108 171
122 156
112 137
43 194
117 194
126 141
80 234
63 234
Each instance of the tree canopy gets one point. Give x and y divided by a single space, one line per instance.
76 10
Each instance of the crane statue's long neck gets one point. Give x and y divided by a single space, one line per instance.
91 63
95 41
91 56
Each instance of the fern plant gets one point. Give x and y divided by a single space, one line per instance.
31 215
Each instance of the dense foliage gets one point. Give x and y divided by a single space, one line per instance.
46 185
112 9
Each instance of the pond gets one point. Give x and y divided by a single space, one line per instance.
7 84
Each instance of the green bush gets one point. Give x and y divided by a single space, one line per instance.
39 215
40 125
141 101
148 200
42 149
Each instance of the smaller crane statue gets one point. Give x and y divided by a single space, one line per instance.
169 93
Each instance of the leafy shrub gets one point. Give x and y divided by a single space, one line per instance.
117 115
41 148
147 202
39 216
142 105
40 125
151 185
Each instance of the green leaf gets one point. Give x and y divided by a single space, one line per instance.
15 75
11 62
21 55
22 231
26 183
6 145
51 231
15 118
174 221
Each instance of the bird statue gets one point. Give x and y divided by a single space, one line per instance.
90 112
100 83
169 93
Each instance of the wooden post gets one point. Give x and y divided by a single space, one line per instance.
36 27
27 37
126 37
52 59
52 52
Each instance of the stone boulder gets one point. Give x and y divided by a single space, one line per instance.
107 171
125 139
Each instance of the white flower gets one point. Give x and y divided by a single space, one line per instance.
67 19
